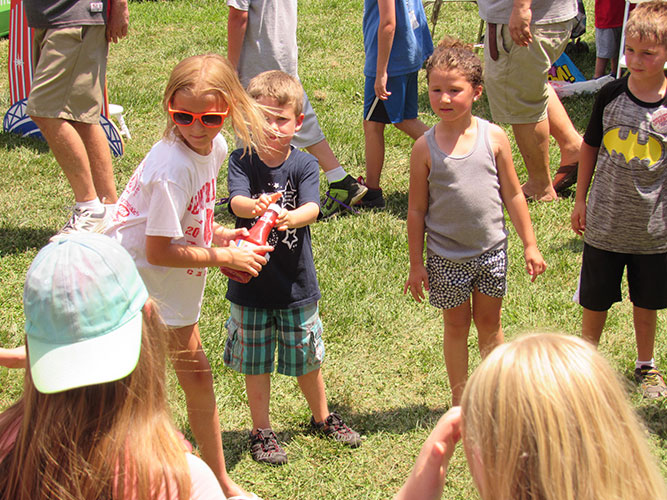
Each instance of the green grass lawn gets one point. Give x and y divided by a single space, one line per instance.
384 369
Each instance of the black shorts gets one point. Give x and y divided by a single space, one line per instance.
602 273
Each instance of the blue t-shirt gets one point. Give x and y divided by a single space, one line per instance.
289 279
412 39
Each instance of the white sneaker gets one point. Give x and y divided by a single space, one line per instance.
87 221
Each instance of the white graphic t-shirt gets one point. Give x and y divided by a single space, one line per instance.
172 194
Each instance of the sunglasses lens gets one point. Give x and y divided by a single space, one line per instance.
182 118
212 120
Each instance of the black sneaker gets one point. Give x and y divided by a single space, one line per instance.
651 382
264 448
373 197
341 195
334 428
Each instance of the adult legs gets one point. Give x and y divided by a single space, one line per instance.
561 128
325 156
82 151
533 142
99 158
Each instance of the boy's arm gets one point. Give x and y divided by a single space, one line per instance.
417 207
249 208
515 202
587 160
303 216
386 30
237 22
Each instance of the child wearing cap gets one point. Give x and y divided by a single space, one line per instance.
93 421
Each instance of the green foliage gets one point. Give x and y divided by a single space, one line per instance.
384 370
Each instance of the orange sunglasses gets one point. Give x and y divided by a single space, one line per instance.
210 119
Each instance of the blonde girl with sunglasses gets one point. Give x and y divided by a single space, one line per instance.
164 218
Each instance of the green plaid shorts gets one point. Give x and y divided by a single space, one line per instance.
252 335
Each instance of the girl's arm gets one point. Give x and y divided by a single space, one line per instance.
386 30
515 202
13 358
160 251
427 479
587 160
305 215
420 165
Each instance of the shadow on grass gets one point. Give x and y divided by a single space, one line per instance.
397 203
573 244
15 240
393 421
654 416
9 141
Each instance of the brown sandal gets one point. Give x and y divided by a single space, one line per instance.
566 176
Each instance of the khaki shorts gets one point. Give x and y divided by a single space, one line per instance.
516 83
69 73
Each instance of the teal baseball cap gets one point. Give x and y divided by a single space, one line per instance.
82 299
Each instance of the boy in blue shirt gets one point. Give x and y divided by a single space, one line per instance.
624 220
261 36
280 305
397 41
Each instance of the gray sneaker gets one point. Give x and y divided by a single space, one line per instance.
264 448
334 428
87 221
651 382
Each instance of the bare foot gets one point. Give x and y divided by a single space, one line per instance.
544 194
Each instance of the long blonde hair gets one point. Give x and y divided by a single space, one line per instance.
112 440
548 420
212 73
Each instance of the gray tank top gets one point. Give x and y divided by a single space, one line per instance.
465 211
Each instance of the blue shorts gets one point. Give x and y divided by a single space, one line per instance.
451 283
401 105
602 273
252 335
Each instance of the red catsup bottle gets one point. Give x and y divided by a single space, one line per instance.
257 236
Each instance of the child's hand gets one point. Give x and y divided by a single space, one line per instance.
535 264
284 220
263 202
578 217
417 282
223 236
248 258
381 87
13 358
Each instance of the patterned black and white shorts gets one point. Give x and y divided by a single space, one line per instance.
451 283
